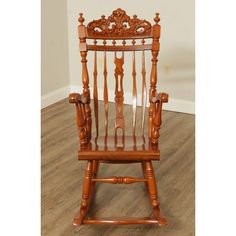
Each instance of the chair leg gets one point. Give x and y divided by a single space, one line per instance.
144 173
86 193
95 168
154 193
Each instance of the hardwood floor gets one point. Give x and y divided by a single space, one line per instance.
62 177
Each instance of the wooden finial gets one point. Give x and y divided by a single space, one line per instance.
157 19
81 18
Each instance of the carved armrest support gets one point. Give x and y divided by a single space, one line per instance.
78 98
158 100
80 101
162 97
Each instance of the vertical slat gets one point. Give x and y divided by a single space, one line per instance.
95 91
144 91
119 94
105 91
134 102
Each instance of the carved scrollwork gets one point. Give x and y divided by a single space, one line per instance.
119 24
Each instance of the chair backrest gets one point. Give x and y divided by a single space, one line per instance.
112 34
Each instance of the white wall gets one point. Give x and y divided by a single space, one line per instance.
61 67
176 58
55 64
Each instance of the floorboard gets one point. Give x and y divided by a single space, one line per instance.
62 177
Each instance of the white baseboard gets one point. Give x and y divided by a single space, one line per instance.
55 96
176 105
179 105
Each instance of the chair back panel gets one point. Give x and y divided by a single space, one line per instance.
120 33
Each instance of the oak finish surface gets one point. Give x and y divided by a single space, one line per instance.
62 178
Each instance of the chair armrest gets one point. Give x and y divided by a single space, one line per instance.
158 100
78 98
161 97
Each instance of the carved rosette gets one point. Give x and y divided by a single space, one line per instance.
119 24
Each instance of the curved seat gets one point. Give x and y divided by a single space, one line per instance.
131 148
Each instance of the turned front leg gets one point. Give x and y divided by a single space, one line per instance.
86 192
95 168
144 173
152 187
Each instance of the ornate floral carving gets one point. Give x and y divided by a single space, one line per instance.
119 24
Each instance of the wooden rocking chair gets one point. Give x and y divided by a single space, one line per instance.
119 27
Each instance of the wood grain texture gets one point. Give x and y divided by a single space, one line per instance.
62 178
144 91
105 95
117 220
134 98
153 75
127 147
158 100
86 191
119 93
79 102
119 180
85 75
119 48
95 91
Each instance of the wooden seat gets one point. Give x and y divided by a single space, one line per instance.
125 148
119 35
